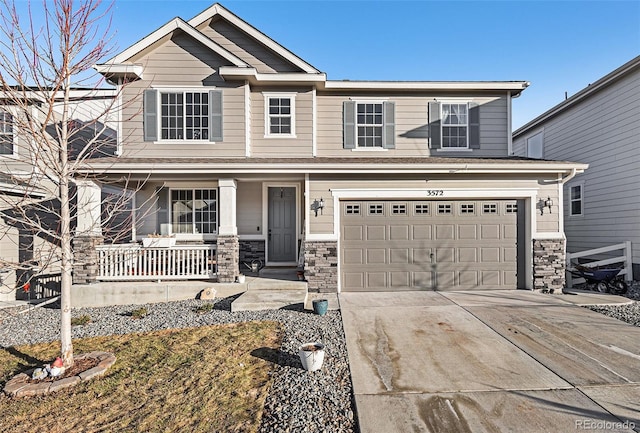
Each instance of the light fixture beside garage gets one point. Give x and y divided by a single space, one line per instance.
548 203
318 205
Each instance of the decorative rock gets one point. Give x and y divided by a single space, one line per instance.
208 293
64 383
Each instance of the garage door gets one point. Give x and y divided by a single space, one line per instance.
428 245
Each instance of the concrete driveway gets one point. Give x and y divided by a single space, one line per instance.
492 361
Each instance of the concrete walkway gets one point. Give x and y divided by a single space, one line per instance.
491 361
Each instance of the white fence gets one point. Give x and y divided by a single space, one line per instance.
134 262
624 259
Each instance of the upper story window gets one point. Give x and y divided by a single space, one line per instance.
279 115
454 126
6 134
369 125
184 116
181 115
535 146
455 122
575 200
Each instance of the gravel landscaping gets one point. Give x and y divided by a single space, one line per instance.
298 401
629 313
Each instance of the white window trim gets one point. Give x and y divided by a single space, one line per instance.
358 101
444 148
529 137
194 236
570 200
168 89
292 99
14 133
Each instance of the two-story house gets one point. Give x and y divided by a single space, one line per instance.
248 149
600 126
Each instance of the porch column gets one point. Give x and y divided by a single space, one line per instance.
88 234
228 247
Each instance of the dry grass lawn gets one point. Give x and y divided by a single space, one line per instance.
187 380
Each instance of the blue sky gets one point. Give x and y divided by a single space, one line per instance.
559 46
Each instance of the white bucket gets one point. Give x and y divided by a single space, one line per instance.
311 359
241 279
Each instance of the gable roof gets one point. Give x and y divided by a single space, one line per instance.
218 10
583 94
173 25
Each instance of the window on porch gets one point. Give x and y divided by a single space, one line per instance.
194 211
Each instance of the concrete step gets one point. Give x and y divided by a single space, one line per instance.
256 300
274 284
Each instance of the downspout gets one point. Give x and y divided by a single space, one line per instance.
574 172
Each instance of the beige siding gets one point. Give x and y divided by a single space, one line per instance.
249 208
321 186
411 117
245 47
298 146
603 131
184 62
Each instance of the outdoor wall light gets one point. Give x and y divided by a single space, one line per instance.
548 203
318 205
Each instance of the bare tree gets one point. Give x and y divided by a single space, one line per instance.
46 76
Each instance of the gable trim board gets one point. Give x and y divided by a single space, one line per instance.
219 10
173 25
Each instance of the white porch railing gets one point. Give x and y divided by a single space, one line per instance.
133 262
625 259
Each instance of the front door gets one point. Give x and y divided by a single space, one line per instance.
282 224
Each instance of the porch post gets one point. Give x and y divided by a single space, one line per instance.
228 247
88 234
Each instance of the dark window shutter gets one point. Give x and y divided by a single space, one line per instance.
162 208
215 115
389 128
435 132
349 126
150 118
474 126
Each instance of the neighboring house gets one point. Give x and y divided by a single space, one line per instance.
600 126
248 150
26 251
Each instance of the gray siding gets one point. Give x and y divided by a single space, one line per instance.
246 48
412 125
249 208
184 62
603 131
301 145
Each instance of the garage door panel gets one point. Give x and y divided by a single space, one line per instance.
468 231
400 279
445 255
491 278
376 279
353 256
490 232
376 233
399 233
353 233
410 250
399 256
445 231
353 280
489 255
468 278
467 255
422 232
376 256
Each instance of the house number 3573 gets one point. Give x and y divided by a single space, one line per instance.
435 193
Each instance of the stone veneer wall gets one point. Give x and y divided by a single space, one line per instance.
548 264
85 259
321 266
228 252
249 251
